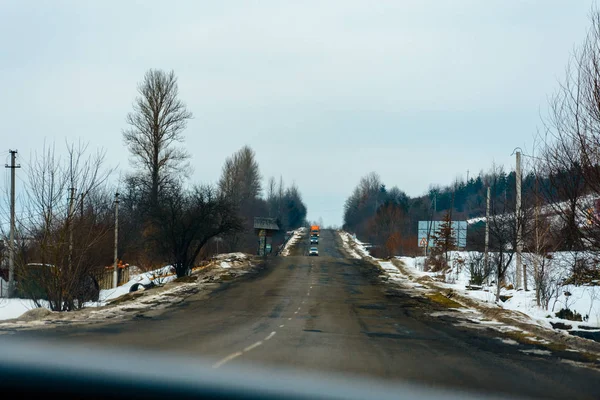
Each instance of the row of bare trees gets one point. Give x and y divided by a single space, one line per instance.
65 230
560 195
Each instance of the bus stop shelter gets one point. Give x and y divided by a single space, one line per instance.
264 229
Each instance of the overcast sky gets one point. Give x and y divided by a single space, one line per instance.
324 91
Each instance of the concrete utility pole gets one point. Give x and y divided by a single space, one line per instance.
11 240
70 219
116 269
518 220
487 228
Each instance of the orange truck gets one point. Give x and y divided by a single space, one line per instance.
314 230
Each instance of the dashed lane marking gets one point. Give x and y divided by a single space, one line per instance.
253 346
227 359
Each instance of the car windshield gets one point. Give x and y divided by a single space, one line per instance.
406 192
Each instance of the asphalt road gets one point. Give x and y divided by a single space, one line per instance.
330 313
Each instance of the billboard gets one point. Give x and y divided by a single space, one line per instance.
425 228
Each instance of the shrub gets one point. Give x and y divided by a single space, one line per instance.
565 313
478 269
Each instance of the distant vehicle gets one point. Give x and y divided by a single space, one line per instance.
314 240
313 251
314 230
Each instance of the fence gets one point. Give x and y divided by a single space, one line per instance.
106 279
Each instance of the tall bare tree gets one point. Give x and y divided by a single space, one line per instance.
573 131
157 123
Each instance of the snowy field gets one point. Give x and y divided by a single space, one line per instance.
13 308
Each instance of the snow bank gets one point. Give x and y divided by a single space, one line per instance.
298 233
14 308
346 240
158 276
584 300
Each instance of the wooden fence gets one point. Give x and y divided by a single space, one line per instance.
106 279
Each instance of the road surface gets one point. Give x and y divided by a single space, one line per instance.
330 313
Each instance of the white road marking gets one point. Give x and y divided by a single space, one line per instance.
253 346
289 319
270 335
311 287
281 326
227 359
295 312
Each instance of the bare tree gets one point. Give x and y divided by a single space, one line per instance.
188 220
573 137
56 263
157 123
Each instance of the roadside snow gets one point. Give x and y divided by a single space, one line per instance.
298 233
14 308
346 240
584 300
159 276
232 264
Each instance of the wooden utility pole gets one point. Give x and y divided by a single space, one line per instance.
116 268
11 240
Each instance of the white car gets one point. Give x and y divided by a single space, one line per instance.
313 251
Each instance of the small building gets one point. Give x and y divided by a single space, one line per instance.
264 229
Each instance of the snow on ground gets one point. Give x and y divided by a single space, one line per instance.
229 260
159 276
298 233
14 308
584 300
346 240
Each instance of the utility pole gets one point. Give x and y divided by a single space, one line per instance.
70 219
116 269
518 220
487 228
11 240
